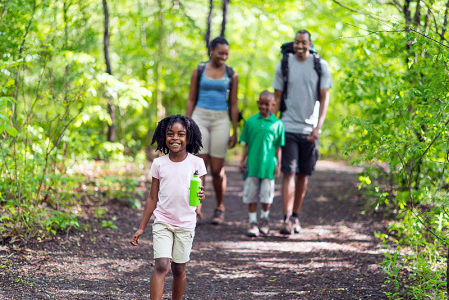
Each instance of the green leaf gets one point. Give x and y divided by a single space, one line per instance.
4 118
10 130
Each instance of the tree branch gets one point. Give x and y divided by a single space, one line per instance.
349 8
428 147
395 4
433 16
428 37
183 8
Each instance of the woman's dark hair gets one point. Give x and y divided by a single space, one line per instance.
218 41
194 143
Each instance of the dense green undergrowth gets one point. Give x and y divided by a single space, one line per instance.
87 187
404 132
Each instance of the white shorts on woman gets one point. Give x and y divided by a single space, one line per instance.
215 130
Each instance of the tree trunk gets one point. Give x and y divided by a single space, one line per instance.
12 117
417 18
160 113
225 12
111 106
407 13
209 23
65 8
443 30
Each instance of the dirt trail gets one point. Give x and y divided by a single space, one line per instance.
334 257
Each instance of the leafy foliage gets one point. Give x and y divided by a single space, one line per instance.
398 78
389 68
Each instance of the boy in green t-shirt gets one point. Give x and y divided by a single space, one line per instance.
263 136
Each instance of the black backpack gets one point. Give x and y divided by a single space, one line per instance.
230 72
285 50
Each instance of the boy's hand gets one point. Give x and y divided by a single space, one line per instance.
243 167
201 194
277 171
135 239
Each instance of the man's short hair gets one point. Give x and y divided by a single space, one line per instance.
303 31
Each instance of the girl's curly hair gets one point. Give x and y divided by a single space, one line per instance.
194 143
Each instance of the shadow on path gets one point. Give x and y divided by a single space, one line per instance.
334 257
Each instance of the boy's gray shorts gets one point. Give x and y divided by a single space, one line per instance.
256 188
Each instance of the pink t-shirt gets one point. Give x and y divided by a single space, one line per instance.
174 186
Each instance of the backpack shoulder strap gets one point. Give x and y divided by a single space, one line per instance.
230 73
284 69
317 67
200 70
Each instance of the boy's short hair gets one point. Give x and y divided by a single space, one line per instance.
267 94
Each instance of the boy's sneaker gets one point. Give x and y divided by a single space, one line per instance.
218 217
264 227
295 224
287 227
253 230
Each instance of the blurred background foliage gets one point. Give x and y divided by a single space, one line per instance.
77 105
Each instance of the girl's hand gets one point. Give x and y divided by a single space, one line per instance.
135 239
201 194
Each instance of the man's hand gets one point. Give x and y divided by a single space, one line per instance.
314 135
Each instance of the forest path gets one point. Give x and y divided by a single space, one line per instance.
334 257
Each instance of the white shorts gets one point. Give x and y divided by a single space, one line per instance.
215 130
172 242
255 188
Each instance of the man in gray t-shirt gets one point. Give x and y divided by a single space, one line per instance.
303 118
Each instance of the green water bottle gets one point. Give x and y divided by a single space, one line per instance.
195 184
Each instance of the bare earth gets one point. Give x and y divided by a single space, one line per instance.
334 257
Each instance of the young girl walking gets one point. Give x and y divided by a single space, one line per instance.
175 220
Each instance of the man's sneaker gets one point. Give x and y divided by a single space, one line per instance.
287 227
264 227
218 217
253 230
295 224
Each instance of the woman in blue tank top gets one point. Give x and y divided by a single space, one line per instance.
207 105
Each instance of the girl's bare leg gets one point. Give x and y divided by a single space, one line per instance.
179 280
161 267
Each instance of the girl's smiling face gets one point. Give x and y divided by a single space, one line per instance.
176 138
